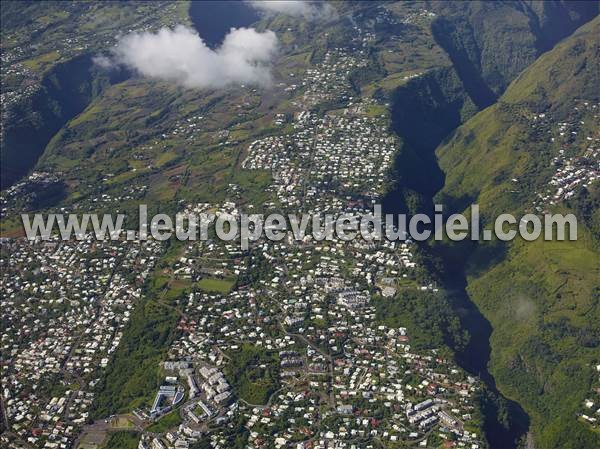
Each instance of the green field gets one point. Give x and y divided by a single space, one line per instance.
165 423
222 286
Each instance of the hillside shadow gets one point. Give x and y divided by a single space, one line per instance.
481 94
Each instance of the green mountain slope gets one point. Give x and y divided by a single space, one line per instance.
542 298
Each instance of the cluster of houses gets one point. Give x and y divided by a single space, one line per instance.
576 146
419 15
188 128
106 201
28 86
345 153
20 196
328 80
25 195
65 305
313 308
375 370
215 385
591 406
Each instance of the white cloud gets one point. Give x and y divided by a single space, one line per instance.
310 10
182 57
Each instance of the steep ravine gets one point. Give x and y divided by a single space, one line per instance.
65 91
537 287
424 112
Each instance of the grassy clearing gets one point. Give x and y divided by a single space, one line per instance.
222 286
165 423
11 227
42 62
164 158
